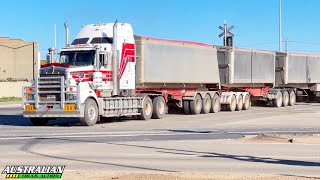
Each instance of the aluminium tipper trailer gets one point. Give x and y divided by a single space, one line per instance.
185 73
299 71
253 71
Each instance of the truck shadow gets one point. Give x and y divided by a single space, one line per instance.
18 120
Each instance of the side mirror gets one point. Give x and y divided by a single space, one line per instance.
105 60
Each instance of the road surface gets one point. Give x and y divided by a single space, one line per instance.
213 143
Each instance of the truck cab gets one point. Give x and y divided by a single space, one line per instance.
99 63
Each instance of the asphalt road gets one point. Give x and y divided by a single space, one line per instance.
177 143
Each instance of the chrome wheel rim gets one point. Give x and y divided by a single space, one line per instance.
91 113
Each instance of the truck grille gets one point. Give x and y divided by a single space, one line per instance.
49 88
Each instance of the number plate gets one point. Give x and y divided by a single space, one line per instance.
53 97
30 108
70 107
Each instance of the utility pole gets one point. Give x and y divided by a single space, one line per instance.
225 32
55 36
286 45
280 27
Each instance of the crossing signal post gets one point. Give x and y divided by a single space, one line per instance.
228 36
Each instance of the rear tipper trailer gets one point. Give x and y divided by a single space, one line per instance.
253 71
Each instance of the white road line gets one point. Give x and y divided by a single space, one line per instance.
11 106
269 131
102 135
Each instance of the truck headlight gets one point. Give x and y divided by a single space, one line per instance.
30 97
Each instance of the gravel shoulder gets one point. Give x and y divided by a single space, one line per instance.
285 138
175 176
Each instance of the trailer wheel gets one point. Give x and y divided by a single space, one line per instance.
39 121
215 104
292 98
278 101
91 113
285 99
186 107
233 104
206 104
146 110
159 107
247 103
239 104
196 105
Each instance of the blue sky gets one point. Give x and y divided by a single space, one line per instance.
255 21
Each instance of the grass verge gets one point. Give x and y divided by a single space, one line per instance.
11 98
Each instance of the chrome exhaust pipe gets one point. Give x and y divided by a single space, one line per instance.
115 89
66 26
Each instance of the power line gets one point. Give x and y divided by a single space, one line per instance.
260 44
309 43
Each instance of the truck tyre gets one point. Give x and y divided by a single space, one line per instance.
292 98
196 105
247 103
206 104
186 107
146 110
215 104
233 104
285 99
39 121
159 107
240 103
91 113
277 102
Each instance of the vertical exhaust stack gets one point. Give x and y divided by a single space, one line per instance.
50 55
115 89
66 26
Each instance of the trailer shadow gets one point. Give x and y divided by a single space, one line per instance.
182 152
28 149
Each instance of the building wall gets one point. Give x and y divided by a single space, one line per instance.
9 89
18 59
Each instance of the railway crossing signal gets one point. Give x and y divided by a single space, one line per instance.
228 36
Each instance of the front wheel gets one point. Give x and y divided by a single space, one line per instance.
91 113
39 121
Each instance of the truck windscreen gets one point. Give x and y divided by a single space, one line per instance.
77 58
